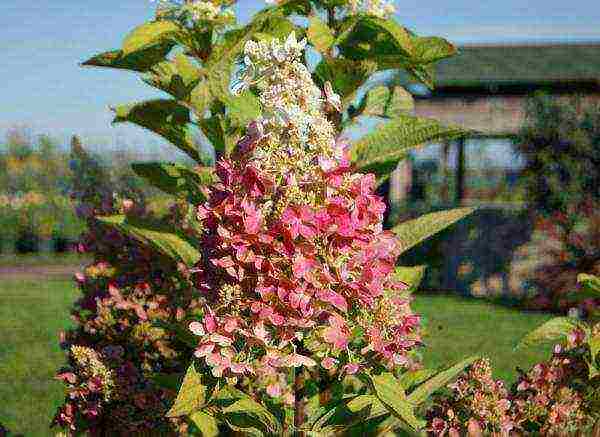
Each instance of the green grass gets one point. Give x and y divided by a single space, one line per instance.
32 313
457 327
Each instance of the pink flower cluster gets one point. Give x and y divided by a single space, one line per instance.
292 283
479 405
553 398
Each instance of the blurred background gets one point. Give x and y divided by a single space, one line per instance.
526 80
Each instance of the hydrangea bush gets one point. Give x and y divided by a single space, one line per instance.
560 396
272 275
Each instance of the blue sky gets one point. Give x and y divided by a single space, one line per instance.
42 42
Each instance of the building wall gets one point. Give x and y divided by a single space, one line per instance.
486 114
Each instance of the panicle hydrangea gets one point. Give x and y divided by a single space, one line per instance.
125 291
549 394
553 398
296 269
478 403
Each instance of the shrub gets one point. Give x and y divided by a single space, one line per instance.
276 258
560 396
559 144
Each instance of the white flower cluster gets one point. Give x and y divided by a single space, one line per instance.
378 8
299 135
216 11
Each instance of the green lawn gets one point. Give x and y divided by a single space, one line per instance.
33 311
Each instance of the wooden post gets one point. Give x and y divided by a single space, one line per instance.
460 171
445 171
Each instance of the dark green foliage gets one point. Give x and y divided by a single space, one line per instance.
560 144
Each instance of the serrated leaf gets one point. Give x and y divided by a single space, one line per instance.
149 34
206 423
319 34
412 276
553 330
413 232
163 238
390 392
390 102
176 179
141 60
346 76
167 118
191 396
425 390
380 151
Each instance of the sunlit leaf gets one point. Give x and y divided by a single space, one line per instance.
150 34
191 396
440 380
163 238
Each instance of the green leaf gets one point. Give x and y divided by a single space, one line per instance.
413 232
553 330
415 377
201 98
242 109
590 283
390 102
410 275
425 390
368 37
176 179
167 118
213 129
380 151
206 423
242 413
595 350
177 77
431 49
346 76
399 34
370 402
163 238
268 21
390 392
150 34
141 60
320 35
191 396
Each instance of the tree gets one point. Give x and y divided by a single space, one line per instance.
560 144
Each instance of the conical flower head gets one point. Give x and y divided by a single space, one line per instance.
297 269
